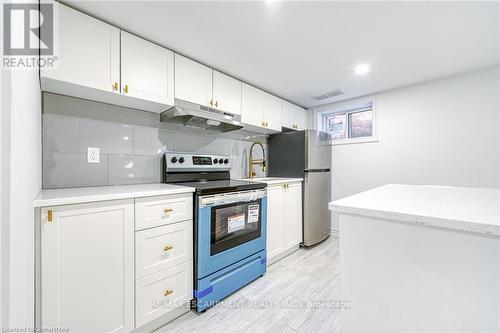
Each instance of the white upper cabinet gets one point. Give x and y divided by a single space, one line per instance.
260 110
293 116
201 85
147 70
287 119
90 62
272 112
193 81
88 54
226 93
300 118
252 106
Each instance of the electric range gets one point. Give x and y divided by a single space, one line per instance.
229 225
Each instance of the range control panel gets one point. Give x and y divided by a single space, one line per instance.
194 162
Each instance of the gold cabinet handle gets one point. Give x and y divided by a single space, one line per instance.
168 210
216 103
49 215
267 124
168 248
168 292
211 102
263 124
125 89
115 86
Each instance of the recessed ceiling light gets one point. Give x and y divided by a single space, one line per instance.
272 3
362 69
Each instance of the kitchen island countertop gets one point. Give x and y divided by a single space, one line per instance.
469 209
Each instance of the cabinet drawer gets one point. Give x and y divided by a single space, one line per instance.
156 211
162 292
163 247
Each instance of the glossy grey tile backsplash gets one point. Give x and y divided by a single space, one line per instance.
131 144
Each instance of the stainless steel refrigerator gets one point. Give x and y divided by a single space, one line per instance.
306 154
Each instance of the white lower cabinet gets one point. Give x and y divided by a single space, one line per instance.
87 267
275 221
293 214
156 211
162 292
87 281
163 247
284 219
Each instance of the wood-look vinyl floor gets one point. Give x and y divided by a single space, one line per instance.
297 294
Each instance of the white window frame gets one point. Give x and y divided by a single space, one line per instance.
347 108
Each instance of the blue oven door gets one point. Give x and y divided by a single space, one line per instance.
230 227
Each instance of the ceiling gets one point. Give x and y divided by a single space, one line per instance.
297 50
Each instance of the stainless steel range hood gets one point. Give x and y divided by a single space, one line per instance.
201 117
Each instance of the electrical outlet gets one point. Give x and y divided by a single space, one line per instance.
93 155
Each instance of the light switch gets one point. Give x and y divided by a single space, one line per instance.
93 155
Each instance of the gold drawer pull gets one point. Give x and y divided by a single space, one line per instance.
125 89
49 215
168 210
115 86
168 292
168 248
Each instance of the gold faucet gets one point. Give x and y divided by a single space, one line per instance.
252 162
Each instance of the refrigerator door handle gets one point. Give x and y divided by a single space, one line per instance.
317 170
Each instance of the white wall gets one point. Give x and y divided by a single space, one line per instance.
21 181
442 132
4 133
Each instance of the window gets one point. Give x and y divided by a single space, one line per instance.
351 123
360 124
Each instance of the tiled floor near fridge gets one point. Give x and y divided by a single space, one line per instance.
297 294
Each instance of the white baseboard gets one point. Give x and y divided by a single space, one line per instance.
334 232
163 320
282 255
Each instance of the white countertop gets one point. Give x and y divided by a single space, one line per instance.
459 208
101 193
273 180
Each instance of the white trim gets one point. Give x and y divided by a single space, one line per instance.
282 255
345 107
334 232
354 140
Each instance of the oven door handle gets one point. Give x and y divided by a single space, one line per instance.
225 199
